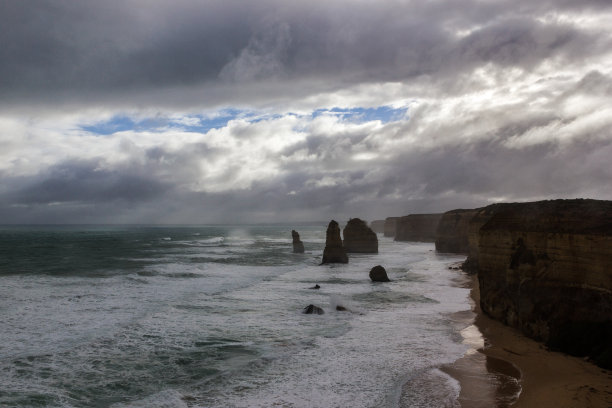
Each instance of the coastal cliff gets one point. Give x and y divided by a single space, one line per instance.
452 232
390 226
378 226
417 227
546 269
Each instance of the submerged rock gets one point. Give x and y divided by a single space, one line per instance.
334 252
359 238
379 274
298 246
312 309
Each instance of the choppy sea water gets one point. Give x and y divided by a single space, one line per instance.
211 317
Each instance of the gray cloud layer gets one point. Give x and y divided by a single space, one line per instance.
509 100
84 50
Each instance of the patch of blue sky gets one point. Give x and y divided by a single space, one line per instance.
202 123
385 114
189 123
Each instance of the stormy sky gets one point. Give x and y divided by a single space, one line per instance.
185 111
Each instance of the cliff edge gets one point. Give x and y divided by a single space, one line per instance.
546 268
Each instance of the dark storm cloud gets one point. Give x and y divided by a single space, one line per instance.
85 182
92 50
504 99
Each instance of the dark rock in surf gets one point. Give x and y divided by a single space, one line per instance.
298 246
334 252
312 309
379 274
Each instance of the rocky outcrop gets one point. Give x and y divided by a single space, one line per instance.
379 274
359 238
378 226
417 227
312 309
298 246
452 232
334 251
390 226
546 269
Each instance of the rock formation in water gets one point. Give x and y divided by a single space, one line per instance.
298 246
417 227
390 226
334 251
546 269
359 238
312 309
378 226
452 232
379 274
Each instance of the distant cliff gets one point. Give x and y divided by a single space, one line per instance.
417 227
546 268
390 226
452 232
378 226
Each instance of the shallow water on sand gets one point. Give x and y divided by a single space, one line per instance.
211 317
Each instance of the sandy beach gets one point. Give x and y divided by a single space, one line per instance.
503 363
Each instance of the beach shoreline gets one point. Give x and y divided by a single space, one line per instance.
505 368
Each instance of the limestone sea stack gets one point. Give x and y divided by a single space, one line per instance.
452 232
378 226
417 227
546 268
298 246
390 226
334 251
359 238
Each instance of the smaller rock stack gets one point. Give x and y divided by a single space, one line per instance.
379 274
298 246
334 251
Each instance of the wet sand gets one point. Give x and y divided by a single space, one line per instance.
504 368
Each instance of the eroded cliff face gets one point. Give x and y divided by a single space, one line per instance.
359 238
417 227
546 268
390 226
452 232
480 218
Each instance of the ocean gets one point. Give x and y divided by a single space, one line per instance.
211 316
